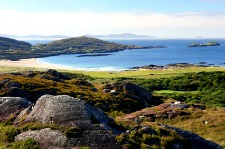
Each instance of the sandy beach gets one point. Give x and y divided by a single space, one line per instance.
33 62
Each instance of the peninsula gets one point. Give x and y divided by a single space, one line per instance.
14 50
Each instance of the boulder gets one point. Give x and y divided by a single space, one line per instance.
67 111
57 74
16 92
45 138
53 78
96 130
12 84
12 105
132 89
3 82
81 82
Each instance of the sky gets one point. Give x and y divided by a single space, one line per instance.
158 18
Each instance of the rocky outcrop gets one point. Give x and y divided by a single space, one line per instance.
128 88
136 90
45 138
196 142
54 75
12 105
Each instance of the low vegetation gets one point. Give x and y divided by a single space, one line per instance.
204 89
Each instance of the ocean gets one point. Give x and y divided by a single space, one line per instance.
177 51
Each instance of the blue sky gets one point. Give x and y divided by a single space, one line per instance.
160 18
164 6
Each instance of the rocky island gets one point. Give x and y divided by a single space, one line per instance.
211 43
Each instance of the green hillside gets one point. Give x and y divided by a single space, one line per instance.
12 44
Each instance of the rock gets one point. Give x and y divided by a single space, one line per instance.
3 82
96 139
23 114
12 84
132 89
96 130
57 74
82 82
16 92
53 78
11 105
196 142
67 111
179 106
106 90
45 138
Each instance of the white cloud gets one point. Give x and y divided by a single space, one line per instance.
190 24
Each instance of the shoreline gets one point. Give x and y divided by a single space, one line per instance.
32 62
35 63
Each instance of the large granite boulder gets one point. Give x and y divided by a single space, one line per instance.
45 138
12 105
67 111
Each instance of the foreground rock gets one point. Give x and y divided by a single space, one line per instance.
45 138
66 111
12 105
96 129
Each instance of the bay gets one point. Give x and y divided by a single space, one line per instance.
177 51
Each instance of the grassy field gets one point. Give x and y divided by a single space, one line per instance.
147 74
210 124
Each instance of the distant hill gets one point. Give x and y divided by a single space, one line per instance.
121 36
12 44
110 36
34 36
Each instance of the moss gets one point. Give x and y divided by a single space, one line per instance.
72 132
10 134
26 144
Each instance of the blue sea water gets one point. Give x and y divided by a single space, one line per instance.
177 51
